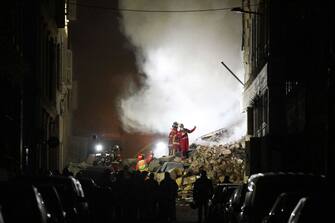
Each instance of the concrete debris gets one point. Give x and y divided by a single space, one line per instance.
159 177
168 166
154 165
179 181
189 180
217 160
166 159
216 136
76 167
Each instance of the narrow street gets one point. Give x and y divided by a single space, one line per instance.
185 214
149 111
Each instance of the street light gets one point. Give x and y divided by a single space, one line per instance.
98 147
160 149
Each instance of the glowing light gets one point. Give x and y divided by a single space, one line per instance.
98 148
161 149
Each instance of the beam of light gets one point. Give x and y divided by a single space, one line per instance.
98 147
181 59
160 149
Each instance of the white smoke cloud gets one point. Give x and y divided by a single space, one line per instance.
180 55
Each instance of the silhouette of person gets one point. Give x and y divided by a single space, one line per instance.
151 192
66 172
168 193
202 192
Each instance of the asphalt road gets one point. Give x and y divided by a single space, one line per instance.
185 214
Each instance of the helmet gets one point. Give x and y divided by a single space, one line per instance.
181 126
140 156
175 125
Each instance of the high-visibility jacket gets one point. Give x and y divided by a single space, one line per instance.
141 165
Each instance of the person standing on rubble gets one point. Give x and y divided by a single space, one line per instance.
173 139
183 139
202 192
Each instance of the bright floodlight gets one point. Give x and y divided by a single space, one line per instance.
161 149
98 148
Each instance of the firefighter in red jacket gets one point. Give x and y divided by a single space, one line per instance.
183 139
173 140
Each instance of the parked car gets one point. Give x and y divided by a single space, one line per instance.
96 197
54 208
264 188
72 198
233 207
97 174
21 203
1 218
312 209
70 194
219 201
282 208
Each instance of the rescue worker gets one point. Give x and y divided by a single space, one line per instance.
173 140
142 164
183 139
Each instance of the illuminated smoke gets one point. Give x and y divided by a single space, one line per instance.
179 55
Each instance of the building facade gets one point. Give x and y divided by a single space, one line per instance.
288 49
39 64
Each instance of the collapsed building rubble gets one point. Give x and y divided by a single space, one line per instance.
218 160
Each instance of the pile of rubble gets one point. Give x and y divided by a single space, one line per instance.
218 161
